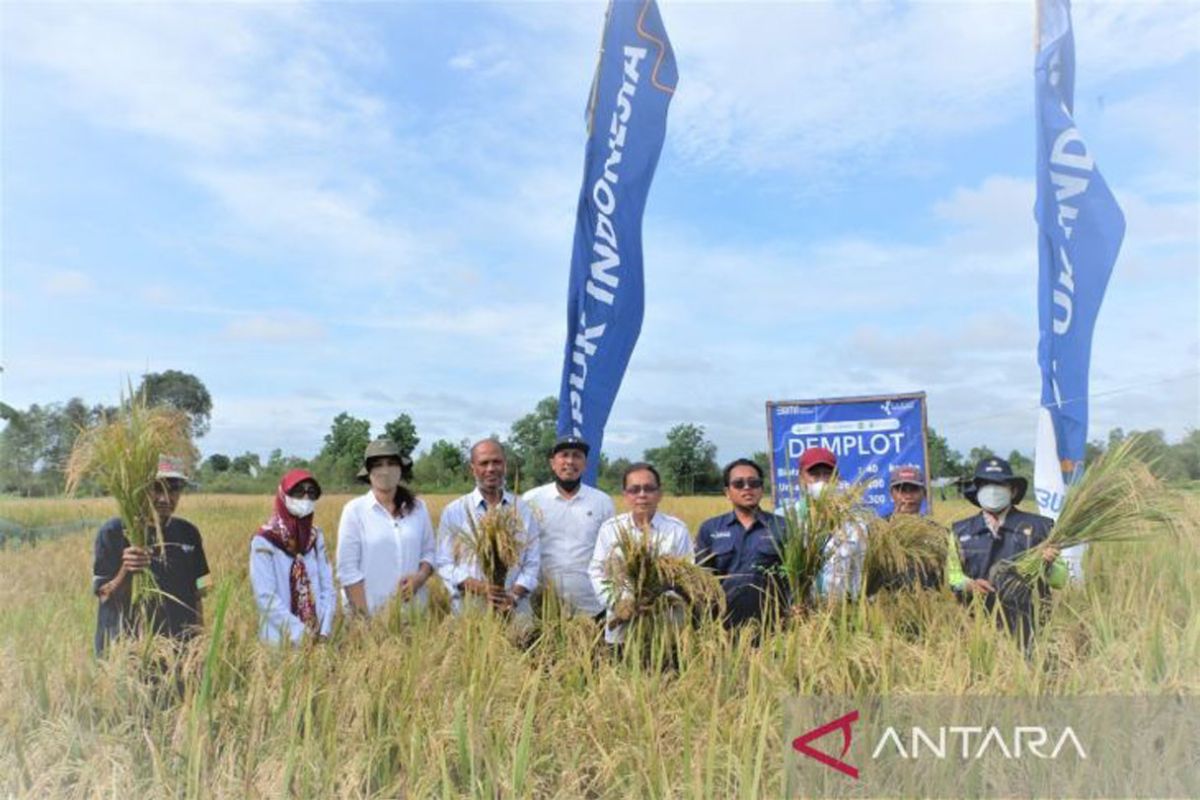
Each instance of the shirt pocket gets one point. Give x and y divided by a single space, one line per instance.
721 555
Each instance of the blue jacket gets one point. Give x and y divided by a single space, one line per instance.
742 559
978 550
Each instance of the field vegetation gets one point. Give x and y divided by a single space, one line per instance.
438 706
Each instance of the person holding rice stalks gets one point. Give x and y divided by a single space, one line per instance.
905 549
386 546
489 539
569 517
642 557
289 570
984 546
826 513
173 553
742 547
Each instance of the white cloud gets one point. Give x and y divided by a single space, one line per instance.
68 282
275 327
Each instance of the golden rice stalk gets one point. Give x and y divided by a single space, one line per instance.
906 544
120 454
1118 499
637 573
810 527
495 540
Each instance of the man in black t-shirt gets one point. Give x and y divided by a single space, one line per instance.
179 567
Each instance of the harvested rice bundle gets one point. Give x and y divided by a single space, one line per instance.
906 549
814 528
495 540
1118 499
645 581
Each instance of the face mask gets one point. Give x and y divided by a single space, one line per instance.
385 479
299 506
568 486
815 489
994 497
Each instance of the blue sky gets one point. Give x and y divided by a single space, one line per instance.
369 208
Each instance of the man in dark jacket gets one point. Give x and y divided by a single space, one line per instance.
985 545
742 547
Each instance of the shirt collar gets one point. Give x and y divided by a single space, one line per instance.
1000 519
478 502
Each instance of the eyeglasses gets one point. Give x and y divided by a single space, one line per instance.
746 483
642 488
305 490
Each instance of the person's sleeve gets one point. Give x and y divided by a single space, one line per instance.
451 573
203 577
604 544
531 556
327 601
610 510
683 544
349 548
955 577
1058 574
106 557
704 544
274 611
428 538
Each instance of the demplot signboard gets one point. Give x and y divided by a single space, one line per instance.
869 436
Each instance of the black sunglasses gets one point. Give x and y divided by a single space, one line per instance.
746 483
310 490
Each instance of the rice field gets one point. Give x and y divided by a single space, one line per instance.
450 707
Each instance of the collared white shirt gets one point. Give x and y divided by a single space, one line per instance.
379 549
671 537
271 579
568 528
454 521
995 522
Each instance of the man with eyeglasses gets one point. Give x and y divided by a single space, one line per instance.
642 489
569 514
741 547
179 566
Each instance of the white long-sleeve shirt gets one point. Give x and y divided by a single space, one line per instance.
379 549
270 577
453 572
671 537
568 527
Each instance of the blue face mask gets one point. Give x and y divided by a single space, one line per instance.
994 497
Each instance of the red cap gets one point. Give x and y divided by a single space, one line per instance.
817 455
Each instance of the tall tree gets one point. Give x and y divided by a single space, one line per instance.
444 466
529 442
403 432
182 390
340 458
688 461
943 461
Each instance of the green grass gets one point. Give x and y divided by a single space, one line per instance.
449 707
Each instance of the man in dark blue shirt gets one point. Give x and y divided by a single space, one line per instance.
742 546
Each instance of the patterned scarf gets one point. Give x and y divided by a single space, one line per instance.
295 536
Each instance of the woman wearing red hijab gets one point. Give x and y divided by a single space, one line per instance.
293 584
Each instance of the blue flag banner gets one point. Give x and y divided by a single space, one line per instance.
1080 228
627 122
869 436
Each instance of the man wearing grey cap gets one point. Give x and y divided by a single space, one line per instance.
906 483
570 514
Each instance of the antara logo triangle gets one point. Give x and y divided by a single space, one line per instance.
801 744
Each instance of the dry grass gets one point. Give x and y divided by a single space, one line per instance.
447 707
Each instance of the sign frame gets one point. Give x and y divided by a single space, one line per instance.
872 398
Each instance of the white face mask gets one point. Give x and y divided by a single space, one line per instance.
994 497
815 489
299 506
385 479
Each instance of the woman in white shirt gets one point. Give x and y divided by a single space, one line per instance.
289 570
386 545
